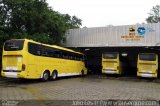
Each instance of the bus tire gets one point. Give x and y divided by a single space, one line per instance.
45 76
53 75
82 73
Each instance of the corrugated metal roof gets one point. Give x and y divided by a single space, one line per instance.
128 35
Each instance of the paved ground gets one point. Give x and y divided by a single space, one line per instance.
77 88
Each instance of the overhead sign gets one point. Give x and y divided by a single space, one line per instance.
134 34
141 30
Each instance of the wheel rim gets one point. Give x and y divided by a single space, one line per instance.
54 75
45 76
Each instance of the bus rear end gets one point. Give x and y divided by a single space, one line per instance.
12 59
111 63
147 65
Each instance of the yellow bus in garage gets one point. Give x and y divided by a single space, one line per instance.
147 65
23 58
111 63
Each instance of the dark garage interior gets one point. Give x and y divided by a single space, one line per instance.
94 57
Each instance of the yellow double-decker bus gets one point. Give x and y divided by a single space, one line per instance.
23 58
111 63
147 65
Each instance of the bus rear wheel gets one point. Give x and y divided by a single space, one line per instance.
45 76
54 75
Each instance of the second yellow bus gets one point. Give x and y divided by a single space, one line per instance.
147 65
111 63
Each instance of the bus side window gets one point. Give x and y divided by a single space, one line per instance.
57 54
77 57
34 49
64 55
70 56
44 51
81 58
45 54
73 57
50 54
38 52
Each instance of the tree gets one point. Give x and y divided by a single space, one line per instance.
33 19
154 15
73 21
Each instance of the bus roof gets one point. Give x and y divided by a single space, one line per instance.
54 46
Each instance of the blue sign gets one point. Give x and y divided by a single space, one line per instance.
141 30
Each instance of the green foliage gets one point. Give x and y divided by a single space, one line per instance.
154 15
33 19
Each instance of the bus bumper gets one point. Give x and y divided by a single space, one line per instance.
110 71
20 74
147 74
13 74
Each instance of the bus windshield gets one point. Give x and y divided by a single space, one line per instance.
110 55
148 57
13 45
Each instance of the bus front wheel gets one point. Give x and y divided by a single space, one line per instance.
45 76
54 75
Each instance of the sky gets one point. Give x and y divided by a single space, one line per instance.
100 13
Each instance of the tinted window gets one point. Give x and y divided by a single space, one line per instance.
47 51
37 49
81 57
70 56
13 45
110 55
57 54
65 55
34 49
148 57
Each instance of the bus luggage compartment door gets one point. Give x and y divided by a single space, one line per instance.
110 67
12 64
